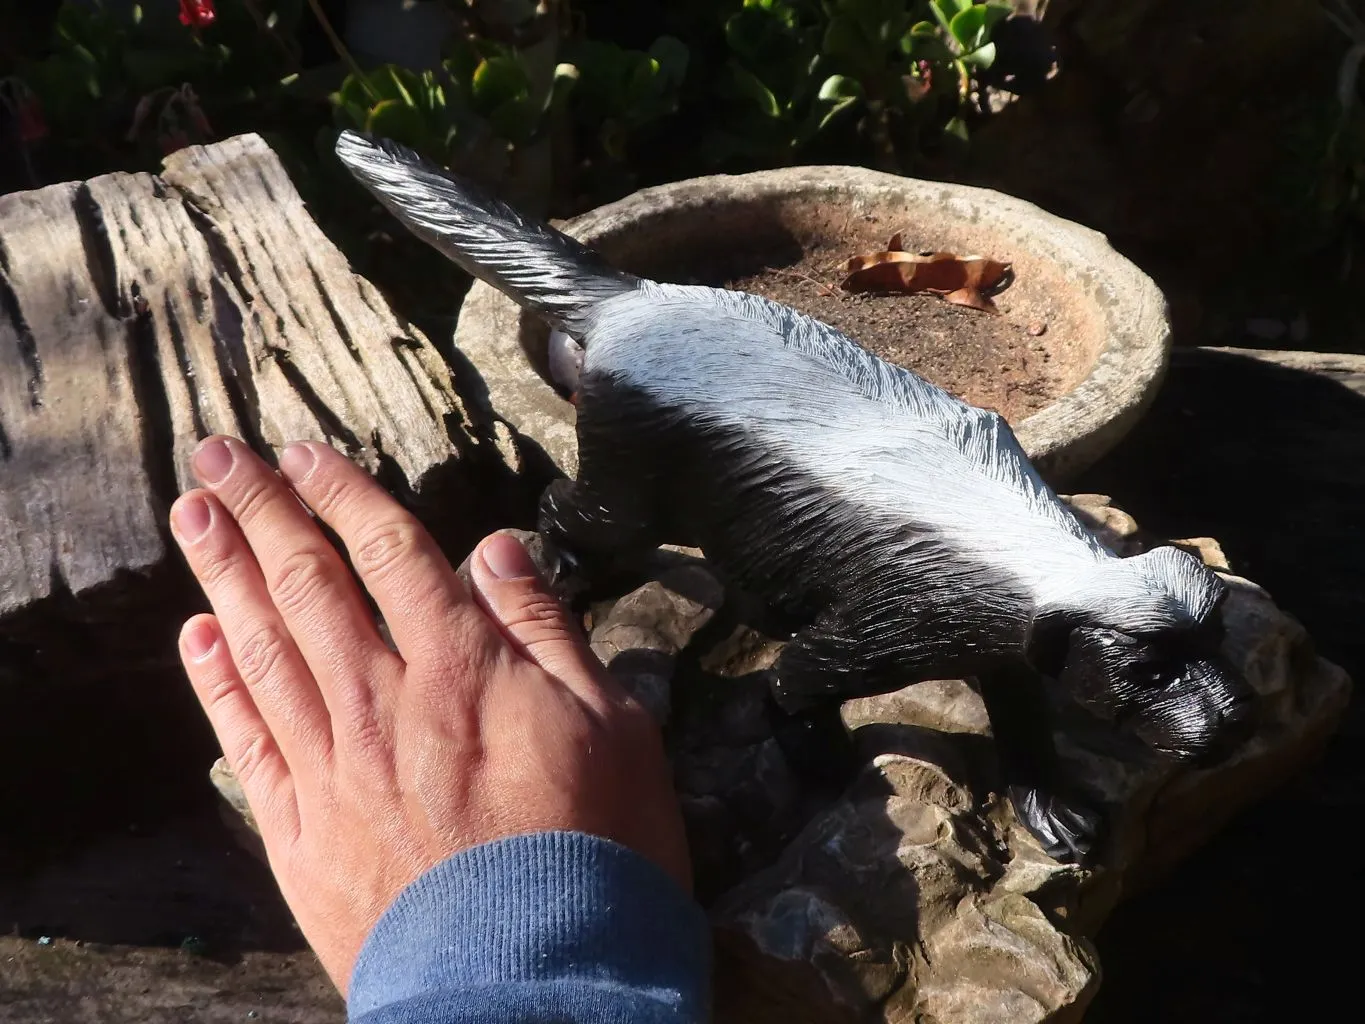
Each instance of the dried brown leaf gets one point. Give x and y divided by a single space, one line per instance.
856 263
964 280
972 298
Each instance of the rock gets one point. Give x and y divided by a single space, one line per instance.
541 554
914 896
237 813
640 638
887 895
1208 551
1113 526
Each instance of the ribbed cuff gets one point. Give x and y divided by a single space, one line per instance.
550 906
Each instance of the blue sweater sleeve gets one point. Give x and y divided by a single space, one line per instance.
553 926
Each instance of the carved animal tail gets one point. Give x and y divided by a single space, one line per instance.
541 268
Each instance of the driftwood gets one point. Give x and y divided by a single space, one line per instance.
1344 368
139 313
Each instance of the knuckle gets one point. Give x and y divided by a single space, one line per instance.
252 501
539 617
368 739
327 492
218 690
456 654
386 546
260 656
300 581
215 564
251 760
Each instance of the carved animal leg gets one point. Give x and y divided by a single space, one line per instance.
590 528
826 663
815 743
1068 824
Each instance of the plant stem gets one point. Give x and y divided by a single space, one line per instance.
342 52
290 52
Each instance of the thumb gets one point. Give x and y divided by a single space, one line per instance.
510 588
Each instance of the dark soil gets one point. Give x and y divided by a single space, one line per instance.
988 360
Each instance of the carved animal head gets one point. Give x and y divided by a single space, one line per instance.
1140 644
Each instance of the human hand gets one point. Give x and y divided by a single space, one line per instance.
365 766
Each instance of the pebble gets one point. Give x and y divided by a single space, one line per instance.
1037 328
44 940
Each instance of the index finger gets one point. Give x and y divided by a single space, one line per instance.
411 580
306 578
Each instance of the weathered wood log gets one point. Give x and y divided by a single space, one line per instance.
76 498
139 313
1344 368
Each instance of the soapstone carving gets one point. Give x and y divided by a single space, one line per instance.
895 533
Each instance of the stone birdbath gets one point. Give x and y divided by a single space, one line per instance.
914 895
1076 354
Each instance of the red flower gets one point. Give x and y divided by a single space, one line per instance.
197 13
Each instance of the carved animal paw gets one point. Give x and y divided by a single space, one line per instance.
1070 828
566 575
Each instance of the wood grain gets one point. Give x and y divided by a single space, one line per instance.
140 313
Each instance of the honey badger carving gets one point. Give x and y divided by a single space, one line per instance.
902 533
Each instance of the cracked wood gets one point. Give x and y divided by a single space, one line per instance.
139 313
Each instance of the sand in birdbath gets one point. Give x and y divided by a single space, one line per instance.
1003 362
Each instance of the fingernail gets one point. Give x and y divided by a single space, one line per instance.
213 461
200 641
506 559
192 518
296 461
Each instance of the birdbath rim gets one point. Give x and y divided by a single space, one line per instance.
1128 334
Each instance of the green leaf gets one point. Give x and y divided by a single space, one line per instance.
981 58
968 27
461 62
562 87
497 81
946 10
612 137
837 93
882 21
956 128
640 81
404 83
845 40
355 116
394 119
748 85
516 120
972 27
352 94
840 87
924 42
672 55
761 35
